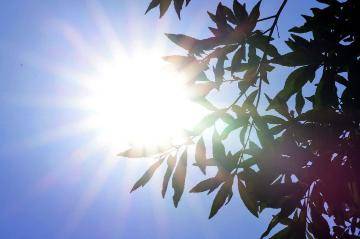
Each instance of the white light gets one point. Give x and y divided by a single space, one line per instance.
139 100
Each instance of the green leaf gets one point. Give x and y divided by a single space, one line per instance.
272 224
141 151
253 17
178 4
205 103
231 127
298 58
242 135
206 122
284 233
153 4
295 81
299 102
262 42
189 43
164 5
326 92
240 11
219 70
229 15
272 119
206 185
224 194
227 118
170 168
255 12
247 198
251 98
147 175
218 147
237 58
178 180
200 155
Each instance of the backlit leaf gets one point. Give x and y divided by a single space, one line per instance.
200 155
147 175
178 180
164 5
171 161
247 198
224 194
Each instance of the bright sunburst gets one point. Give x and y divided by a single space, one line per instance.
139 99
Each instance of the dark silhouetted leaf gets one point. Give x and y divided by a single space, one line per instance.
206 185
178 4
300 102
153 4
164 5
147 175
240 11
218 147
295 81
224 194
170 168
237 58
200 155
247 198
178 180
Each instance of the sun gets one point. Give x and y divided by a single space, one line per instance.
139 99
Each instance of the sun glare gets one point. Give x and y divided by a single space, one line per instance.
139 99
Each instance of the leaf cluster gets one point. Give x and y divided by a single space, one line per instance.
299 157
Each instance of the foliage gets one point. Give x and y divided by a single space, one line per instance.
306 161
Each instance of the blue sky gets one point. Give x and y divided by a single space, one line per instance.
50 187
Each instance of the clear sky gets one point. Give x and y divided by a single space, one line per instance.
54 181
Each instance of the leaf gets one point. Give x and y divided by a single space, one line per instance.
206 122
262 42
229 15
272 119
178 4
298 58
200 155
239 11
178 180
205 103
295 81
218 147
201 89
249 101
164 5
272 224
147 175
284 233
247 198
189 43
253 17
224 194
242 135
237 58
170 168
326 92
299 102
231 127
153 4
206 185
141 151
219 70
282 215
